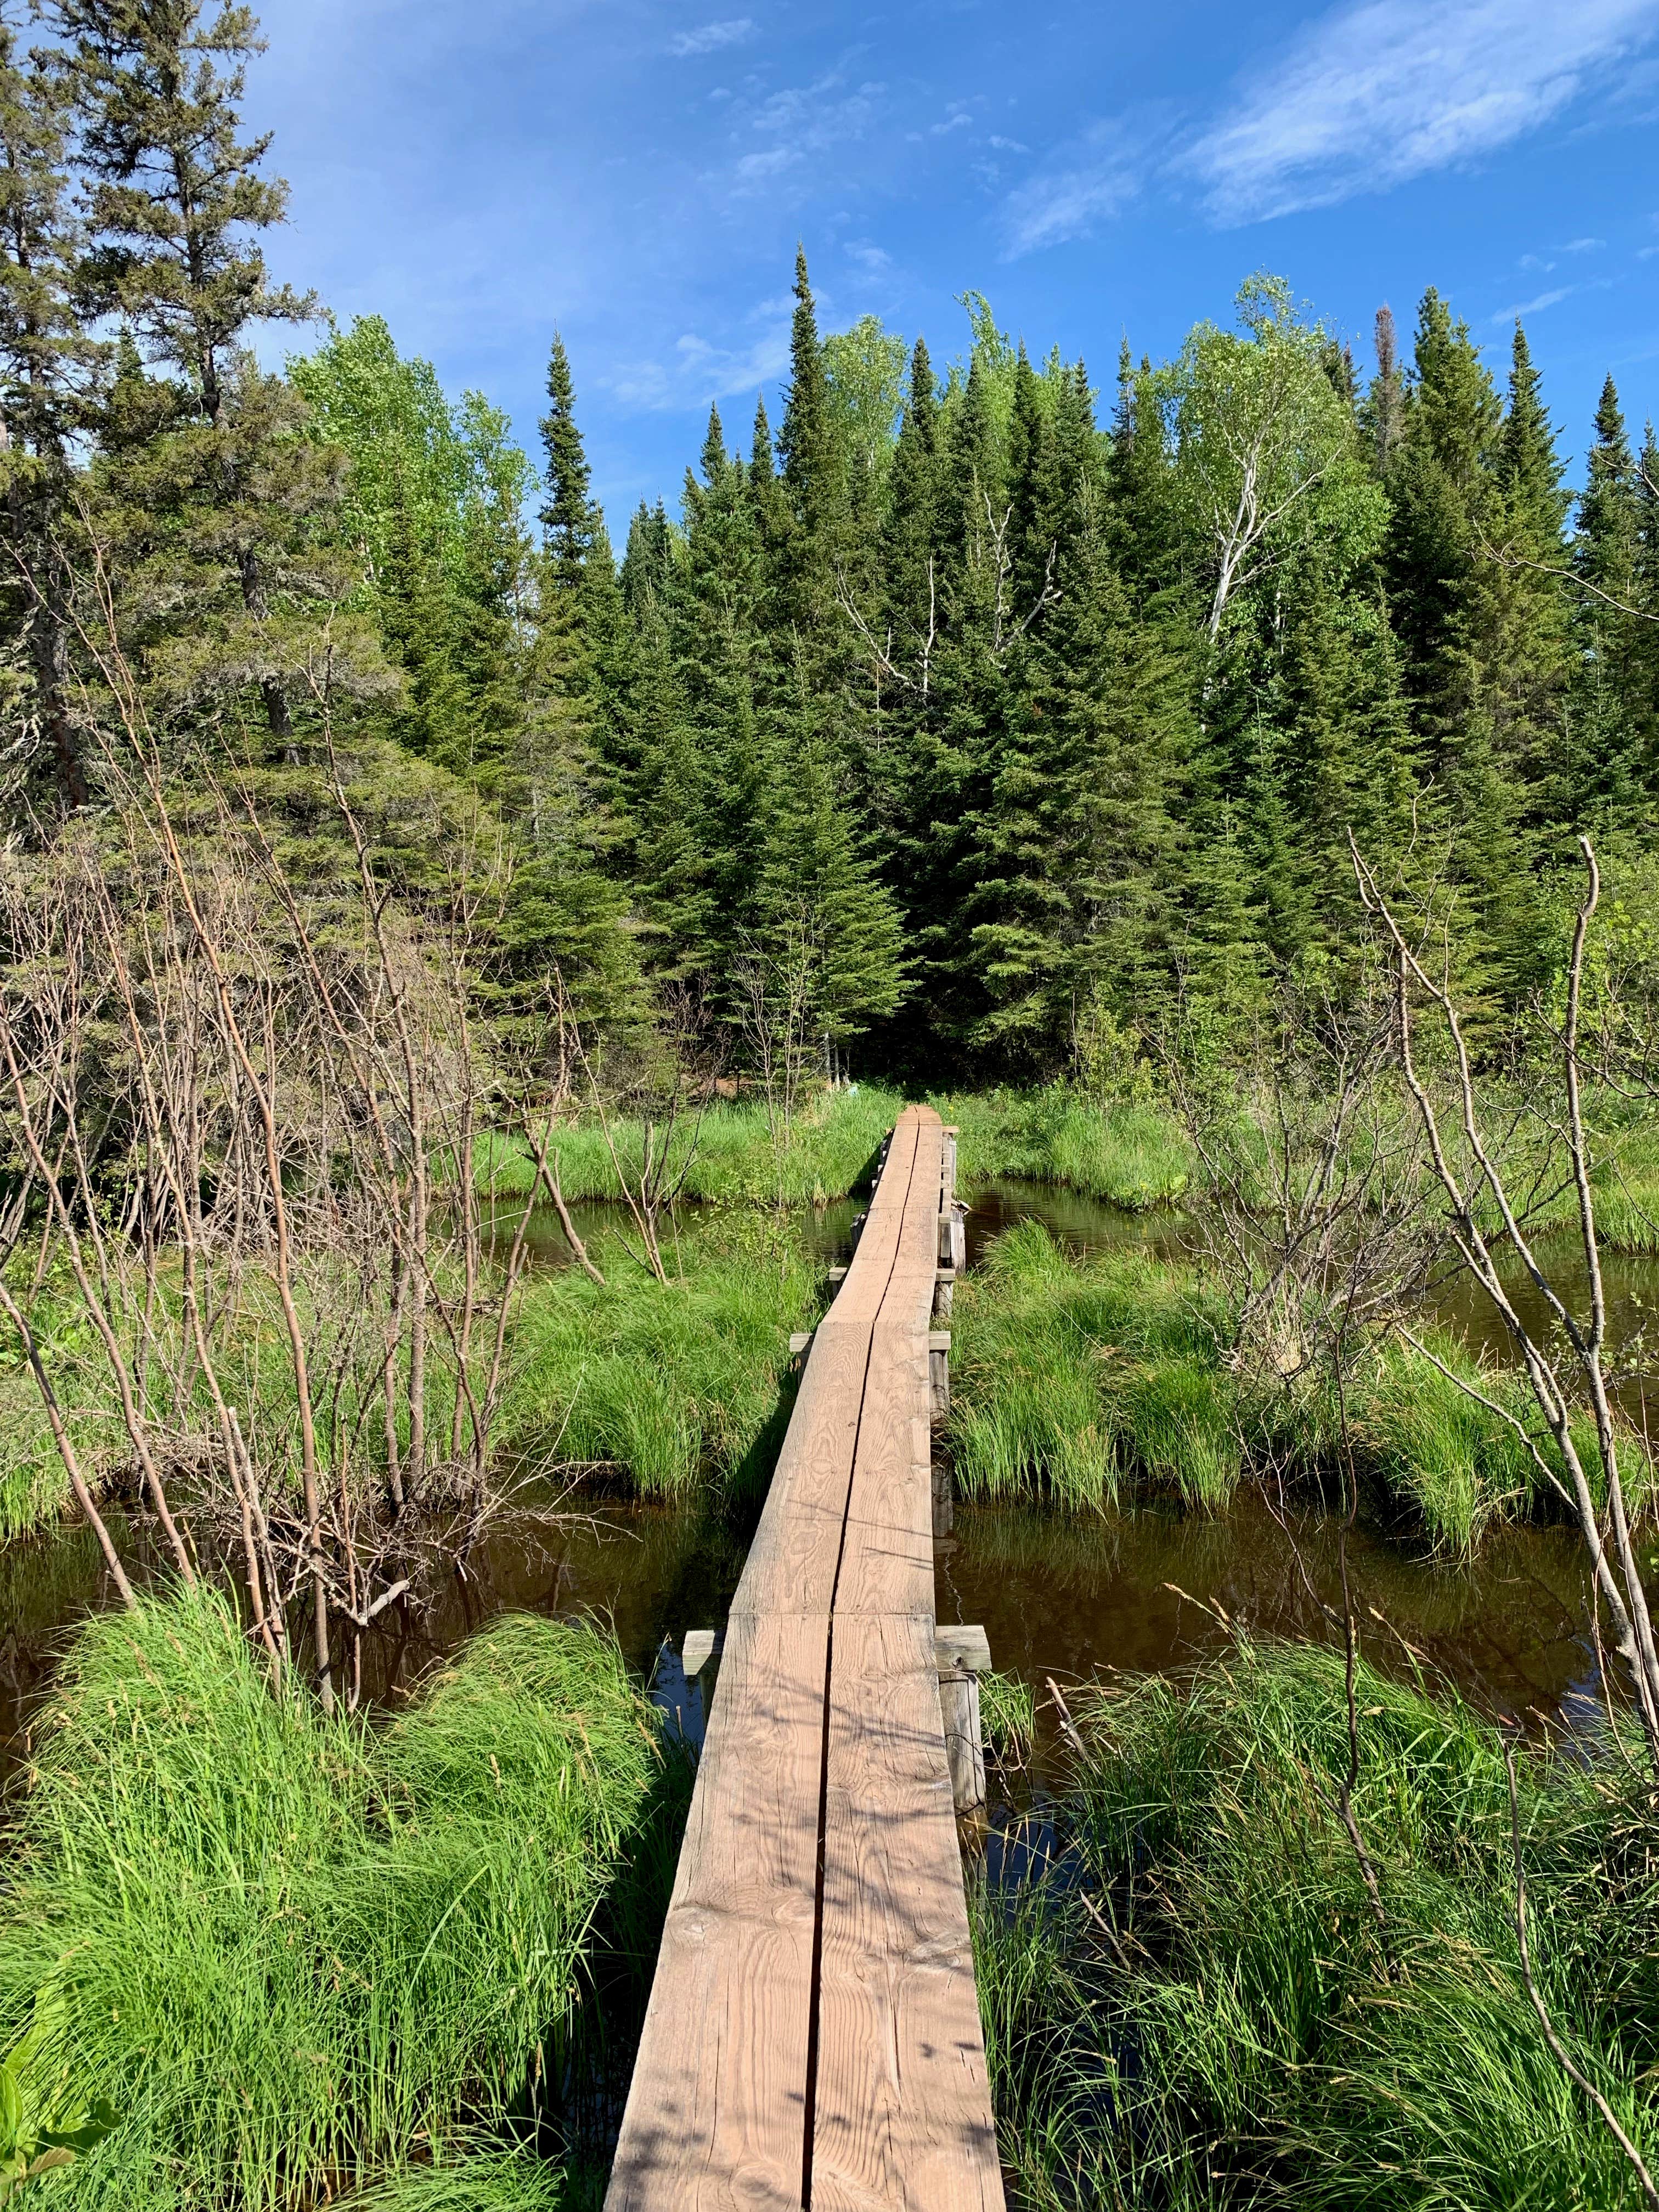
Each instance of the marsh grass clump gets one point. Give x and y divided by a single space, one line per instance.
1196 2003
732 1153
663 1385
1007 1713
288 1951
1071 1376
1131 1154
488 2180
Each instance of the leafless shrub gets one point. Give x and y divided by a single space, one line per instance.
1310 1208
244 1118
1568 1364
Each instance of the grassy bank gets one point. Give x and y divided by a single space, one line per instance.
286 1952
1197 2005
665 1386
1127 1156
732 1155
1079 1379
1133 1157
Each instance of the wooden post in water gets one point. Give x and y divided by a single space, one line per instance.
938 1371
962 1655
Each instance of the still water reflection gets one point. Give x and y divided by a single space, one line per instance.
1059 1594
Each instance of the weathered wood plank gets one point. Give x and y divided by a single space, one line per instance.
716 2112
902 2111
793 1561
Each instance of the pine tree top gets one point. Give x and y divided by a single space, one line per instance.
566 514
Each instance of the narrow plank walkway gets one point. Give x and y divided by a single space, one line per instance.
813 2036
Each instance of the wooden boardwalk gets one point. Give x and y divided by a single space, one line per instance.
813 2036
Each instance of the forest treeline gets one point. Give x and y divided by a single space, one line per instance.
965 716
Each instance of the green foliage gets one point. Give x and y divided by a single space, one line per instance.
733 1158
1070 1377
479 2181
1130 1154
283 1948
442 472
1076 1379
1222 2022
665 1386
1007 1713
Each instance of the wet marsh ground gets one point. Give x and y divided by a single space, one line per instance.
1060 1593
1098 1604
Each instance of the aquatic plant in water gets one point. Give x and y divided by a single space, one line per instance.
1197 2003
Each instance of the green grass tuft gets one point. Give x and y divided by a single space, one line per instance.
1131 1156
1223 2022
733 1157
288 1951
1073 1378
667 1385
1007 1715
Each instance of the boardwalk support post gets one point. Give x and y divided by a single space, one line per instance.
953 1234
944 1283
962 1655
945 1498
938 1371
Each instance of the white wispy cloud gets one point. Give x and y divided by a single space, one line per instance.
806 120
1084 184
1536 306
868 255
1376 92
699 373
709 38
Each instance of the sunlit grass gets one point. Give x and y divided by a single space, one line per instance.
729 1153
1088 1380
1197 2005
288 1951
667 1385
1129 1156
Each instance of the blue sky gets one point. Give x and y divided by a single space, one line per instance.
638 171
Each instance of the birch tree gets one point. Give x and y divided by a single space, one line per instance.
1265 446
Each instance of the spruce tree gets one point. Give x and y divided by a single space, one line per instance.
223 517
716 766
567 514
1445 605
1611 767
811 484
1530 648
49 365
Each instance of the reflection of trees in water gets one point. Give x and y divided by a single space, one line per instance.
1156 1589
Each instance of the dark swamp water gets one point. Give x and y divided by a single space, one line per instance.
1061 1596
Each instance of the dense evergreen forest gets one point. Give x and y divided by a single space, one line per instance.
955 722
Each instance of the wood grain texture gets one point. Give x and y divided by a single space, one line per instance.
902 2112
716 2112
826 1724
